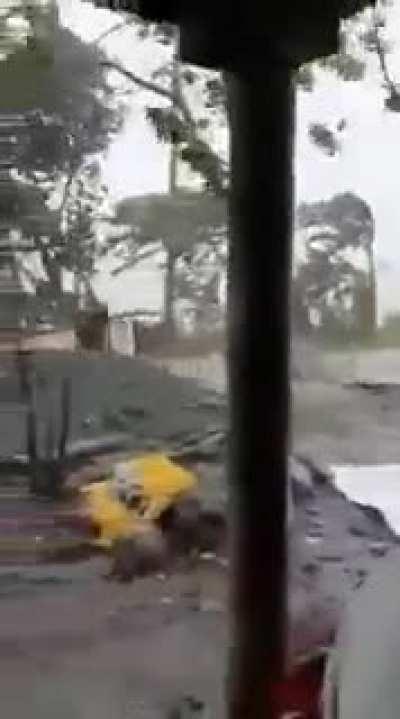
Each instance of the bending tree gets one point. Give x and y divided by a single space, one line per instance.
186 126
329 284
180 221
65 237
77 115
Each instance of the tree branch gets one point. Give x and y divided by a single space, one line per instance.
67 188
132 261
179 103
115 28
140 81
382 62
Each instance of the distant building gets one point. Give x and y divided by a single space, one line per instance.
134 295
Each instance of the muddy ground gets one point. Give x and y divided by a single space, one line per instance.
115 395
74 645
338 425
111 395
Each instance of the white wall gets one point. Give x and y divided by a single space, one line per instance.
122 337
141 287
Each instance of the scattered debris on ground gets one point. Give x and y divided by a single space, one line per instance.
335 543
375 388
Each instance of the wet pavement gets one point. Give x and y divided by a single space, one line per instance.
83 648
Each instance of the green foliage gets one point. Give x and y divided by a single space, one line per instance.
26 30
165 33
65 236
171 127
360 34
216 95
76 112
328 285
208 164
324 138
305 77
167 124
346 66
76 115
78 250
179 220
349 215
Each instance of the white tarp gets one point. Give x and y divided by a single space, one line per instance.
377 485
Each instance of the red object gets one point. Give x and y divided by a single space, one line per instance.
298 695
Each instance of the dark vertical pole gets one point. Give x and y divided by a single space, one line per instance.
169 293
261 111
23 361
172 188
66 392
49 437
32 435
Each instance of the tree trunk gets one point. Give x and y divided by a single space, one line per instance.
372 290
169 292
53 271
171 258
366 300
173 164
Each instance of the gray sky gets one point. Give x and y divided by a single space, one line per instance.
368 163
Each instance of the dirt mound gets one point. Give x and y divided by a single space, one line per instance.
110 394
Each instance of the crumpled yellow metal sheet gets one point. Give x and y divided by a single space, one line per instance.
155 483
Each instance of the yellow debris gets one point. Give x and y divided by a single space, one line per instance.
112 518
163 481
157 483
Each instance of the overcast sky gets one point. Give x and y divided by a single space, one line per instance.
368 163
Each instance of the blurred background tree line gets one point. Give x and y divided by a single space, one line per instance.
55 193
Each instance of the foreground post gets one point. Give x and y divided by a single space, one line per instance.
261 106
